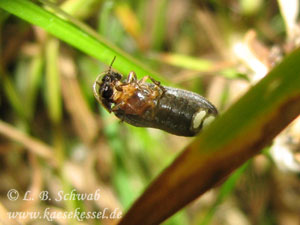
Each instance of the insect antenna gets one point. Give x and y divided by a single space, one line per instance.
112 62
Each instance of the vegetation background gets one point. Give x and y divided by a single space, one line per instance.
54 136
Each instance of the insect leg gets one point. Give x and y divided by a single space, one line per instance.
95 91
143 80
131 77
96 85
157 84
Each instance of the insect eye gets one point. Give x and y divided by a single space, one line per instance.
118 76
106 78
106 92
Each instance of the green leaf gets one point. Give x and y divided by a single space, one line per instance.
79 36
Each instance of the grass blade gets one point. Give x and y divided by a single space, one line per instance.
91 44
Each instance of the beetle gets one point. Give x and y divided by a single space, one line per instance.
150 104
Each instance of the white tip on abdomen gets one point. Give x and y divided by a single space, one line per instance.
201 118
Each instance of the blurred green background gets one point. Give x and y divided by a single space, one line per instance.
55 137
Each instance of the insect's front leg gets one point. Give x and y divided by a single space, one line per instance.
157 84
95 91
96 86
131 77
